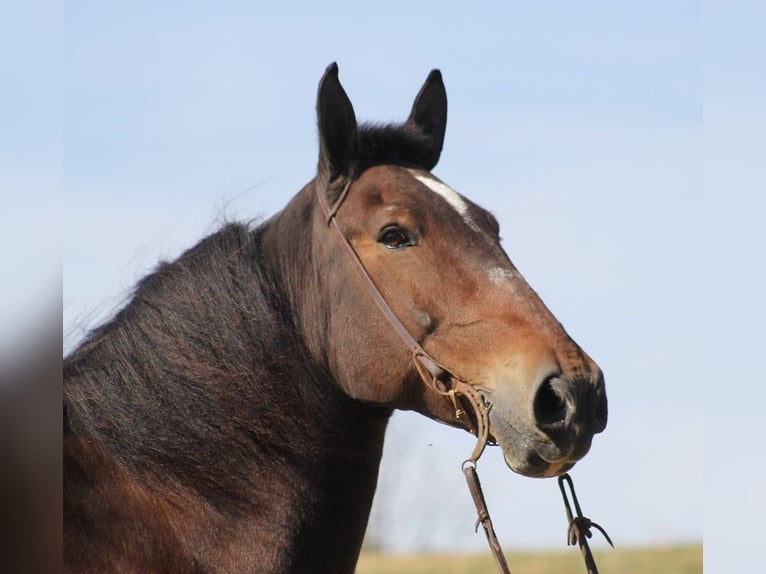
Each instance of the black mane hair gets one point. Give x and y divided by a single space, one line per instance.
396 144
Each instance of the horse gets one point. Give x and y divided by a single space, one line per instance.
231 416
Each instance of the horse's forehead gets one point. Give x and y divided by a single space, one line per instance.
398 177
452 197
441 189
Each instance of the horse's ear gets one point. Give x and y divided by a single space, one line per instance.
337 125
429 114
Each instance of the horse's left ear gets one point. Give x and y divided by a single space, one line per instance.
337 126
429 114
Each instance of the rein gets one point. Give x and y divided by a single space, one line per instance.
460 394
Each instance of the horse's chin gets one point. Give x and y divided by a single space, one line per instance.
531 465
523 453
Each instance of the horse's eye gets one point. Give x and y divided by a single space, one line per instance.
394 237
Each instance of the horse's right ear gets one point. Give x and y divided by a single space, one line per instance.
337 126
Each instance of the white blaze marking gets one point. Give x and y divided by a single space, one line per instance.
447 193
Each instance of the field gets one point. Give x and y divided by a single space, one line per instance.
664 560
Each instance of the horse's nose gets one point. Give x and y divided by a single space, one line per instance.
559 405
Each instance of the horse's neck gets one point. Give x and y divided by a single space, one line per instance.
300 506
300 520
331 534
192 442
293 257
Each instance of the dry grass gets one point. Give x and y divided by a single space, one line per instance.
667 560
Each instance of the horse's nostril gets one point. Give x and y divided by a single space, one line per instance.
552 405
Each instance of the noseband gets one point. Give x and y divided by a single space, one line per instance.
444 382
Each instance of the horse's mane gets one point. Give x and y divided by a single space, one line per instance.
398 144
198 359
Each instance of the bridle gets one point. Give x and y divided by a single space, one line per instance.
461 395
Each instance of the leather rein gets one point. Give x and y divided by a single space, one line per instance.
461 395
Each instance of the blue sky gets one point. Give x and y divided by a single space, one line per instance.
580 125
30 169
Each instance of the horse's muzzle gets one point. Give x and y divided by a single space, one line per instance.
565 414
